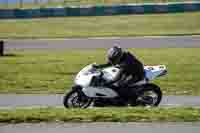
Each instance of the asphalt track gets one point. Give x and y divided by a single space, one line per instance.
125 42
11 100
102 127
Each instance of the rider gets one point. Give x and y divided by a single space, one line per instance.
131 70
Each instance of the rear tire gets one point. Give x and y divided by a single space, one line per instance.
145 99
74 99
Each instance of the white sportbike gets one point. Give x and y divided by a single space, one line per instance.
89 88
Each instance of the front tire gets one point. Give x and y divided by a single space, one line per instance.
75 99
149 95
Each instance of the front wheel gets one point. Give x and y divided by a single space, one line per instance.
149 95
75 99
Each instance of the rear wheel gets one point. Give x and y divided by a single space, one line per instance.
149 95
75 99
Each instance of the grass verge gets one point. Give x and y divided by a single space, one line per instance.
100 115
51 71
127 25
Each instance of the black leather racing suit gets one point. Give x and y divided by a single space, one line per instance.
131 71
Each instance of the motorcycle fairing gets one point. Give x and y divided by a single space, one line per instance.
151 72
99 92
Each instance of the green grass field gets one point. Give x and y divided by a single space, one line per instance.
106 26
100 115
52 71
82 2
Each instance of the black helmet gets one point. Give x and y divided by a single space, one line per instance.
114 55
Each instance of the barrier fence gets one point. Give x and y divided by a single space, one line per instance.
10 4
100 10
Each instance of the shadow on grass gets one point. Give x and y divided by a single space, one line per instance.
10 55
66 73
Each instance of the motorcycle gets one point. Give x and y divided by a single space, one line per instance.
89 88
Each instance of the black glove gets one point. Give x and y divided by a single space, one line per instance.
95 66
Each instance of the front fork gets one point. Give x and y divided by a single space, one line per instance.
81 95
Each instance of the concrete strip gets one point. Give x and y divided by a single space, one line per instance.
101 127
125 42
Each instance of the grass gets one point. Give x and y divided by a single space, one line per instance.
102 26
82 2
100 115
51 71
